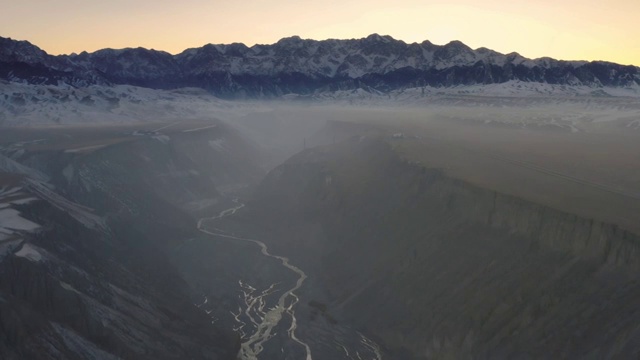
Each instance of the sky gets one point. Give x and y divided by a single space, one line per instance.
563 29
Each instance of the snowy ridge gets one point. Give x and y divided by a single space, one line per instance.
512 89
22 104
302 66
520 104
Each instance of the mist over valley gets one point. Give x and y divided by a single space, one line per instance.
335 199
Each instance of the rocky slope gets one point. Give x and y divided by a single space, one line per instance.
86 237
299 66
438 268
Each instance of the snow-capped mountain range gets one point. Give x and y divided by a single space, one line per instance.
298 66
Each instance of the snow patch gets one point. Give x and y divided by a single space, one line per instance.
201 128
69 287
218 144
79 212
30 253
162 138
84 149
24 201
11 220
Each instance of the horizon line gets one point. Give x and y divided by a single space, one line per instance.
317 40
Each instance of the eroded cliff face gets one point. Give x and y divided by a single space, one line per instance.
438 268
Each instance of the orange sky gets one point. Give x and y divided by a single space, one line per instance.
563 29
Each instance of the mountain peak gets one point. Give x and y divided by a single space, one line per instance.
20 50
457 44
380 38
290 40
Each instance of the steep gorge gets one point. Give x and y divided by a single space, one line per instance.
401 261
436 267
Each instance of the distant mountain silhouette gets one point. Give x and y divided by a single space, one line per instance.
299 66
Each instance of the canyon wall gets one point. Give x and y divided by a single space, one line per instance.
438 268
